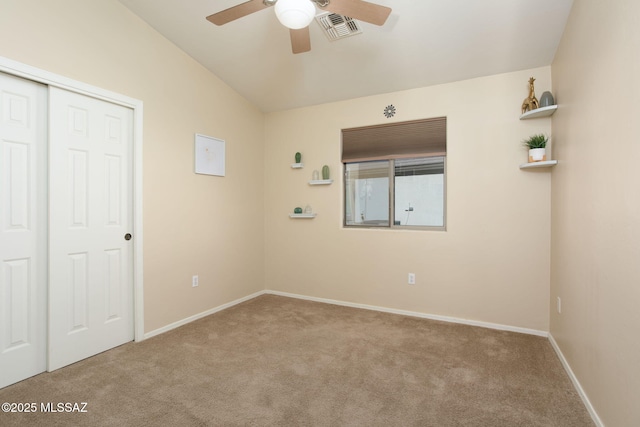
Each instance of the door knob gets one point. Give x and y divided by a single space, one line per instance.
127 236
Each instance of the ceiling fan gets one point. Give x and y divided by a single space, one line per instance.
298 14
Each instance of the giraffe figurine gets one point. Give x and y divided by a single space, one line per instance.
531 102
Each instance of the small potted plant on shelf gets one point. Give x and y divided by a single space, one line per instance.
537 147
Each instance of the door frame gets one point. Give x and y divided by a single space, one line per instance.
18 69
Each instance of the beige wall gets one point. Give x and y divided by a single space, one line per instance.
596 205
193 224
492 263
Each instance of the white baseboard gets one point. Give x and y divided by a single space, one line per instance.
585 399
346 304
201 315
416 314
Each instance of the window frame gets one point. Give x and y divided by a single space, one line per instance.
391 142
392 200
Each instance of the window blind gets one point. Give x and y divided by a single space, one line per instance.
417 138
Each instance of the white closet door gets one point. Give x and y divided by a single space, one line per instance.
23 234
91 199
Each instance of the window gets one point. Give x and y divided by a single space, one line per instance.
395 175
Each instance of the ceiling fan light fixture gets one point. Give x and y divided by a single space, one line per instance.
295 14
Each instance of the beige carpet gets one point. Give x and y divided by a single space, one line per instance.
276 361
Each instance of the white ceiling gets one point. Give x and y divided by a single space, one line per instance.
423 43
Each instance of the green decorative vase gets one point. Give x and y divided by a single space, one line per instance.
297 211
298 157
325 172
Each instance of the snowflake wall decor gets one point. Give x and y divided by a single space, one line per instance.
389 111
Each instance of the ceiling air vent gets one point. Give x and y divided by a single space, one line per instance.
337 26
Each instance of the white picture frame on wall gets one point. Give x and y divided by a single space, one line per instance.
209 155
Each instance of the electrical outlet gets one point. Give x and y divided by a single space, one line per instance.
412 279
559 305
194 281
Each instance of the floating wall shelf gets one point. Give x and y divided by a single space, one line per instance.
539 112
536 114
302 215
297 165
546 164
320 182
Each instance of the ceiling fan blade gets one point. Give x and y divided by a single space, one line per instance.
300 40
235 12
360 10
